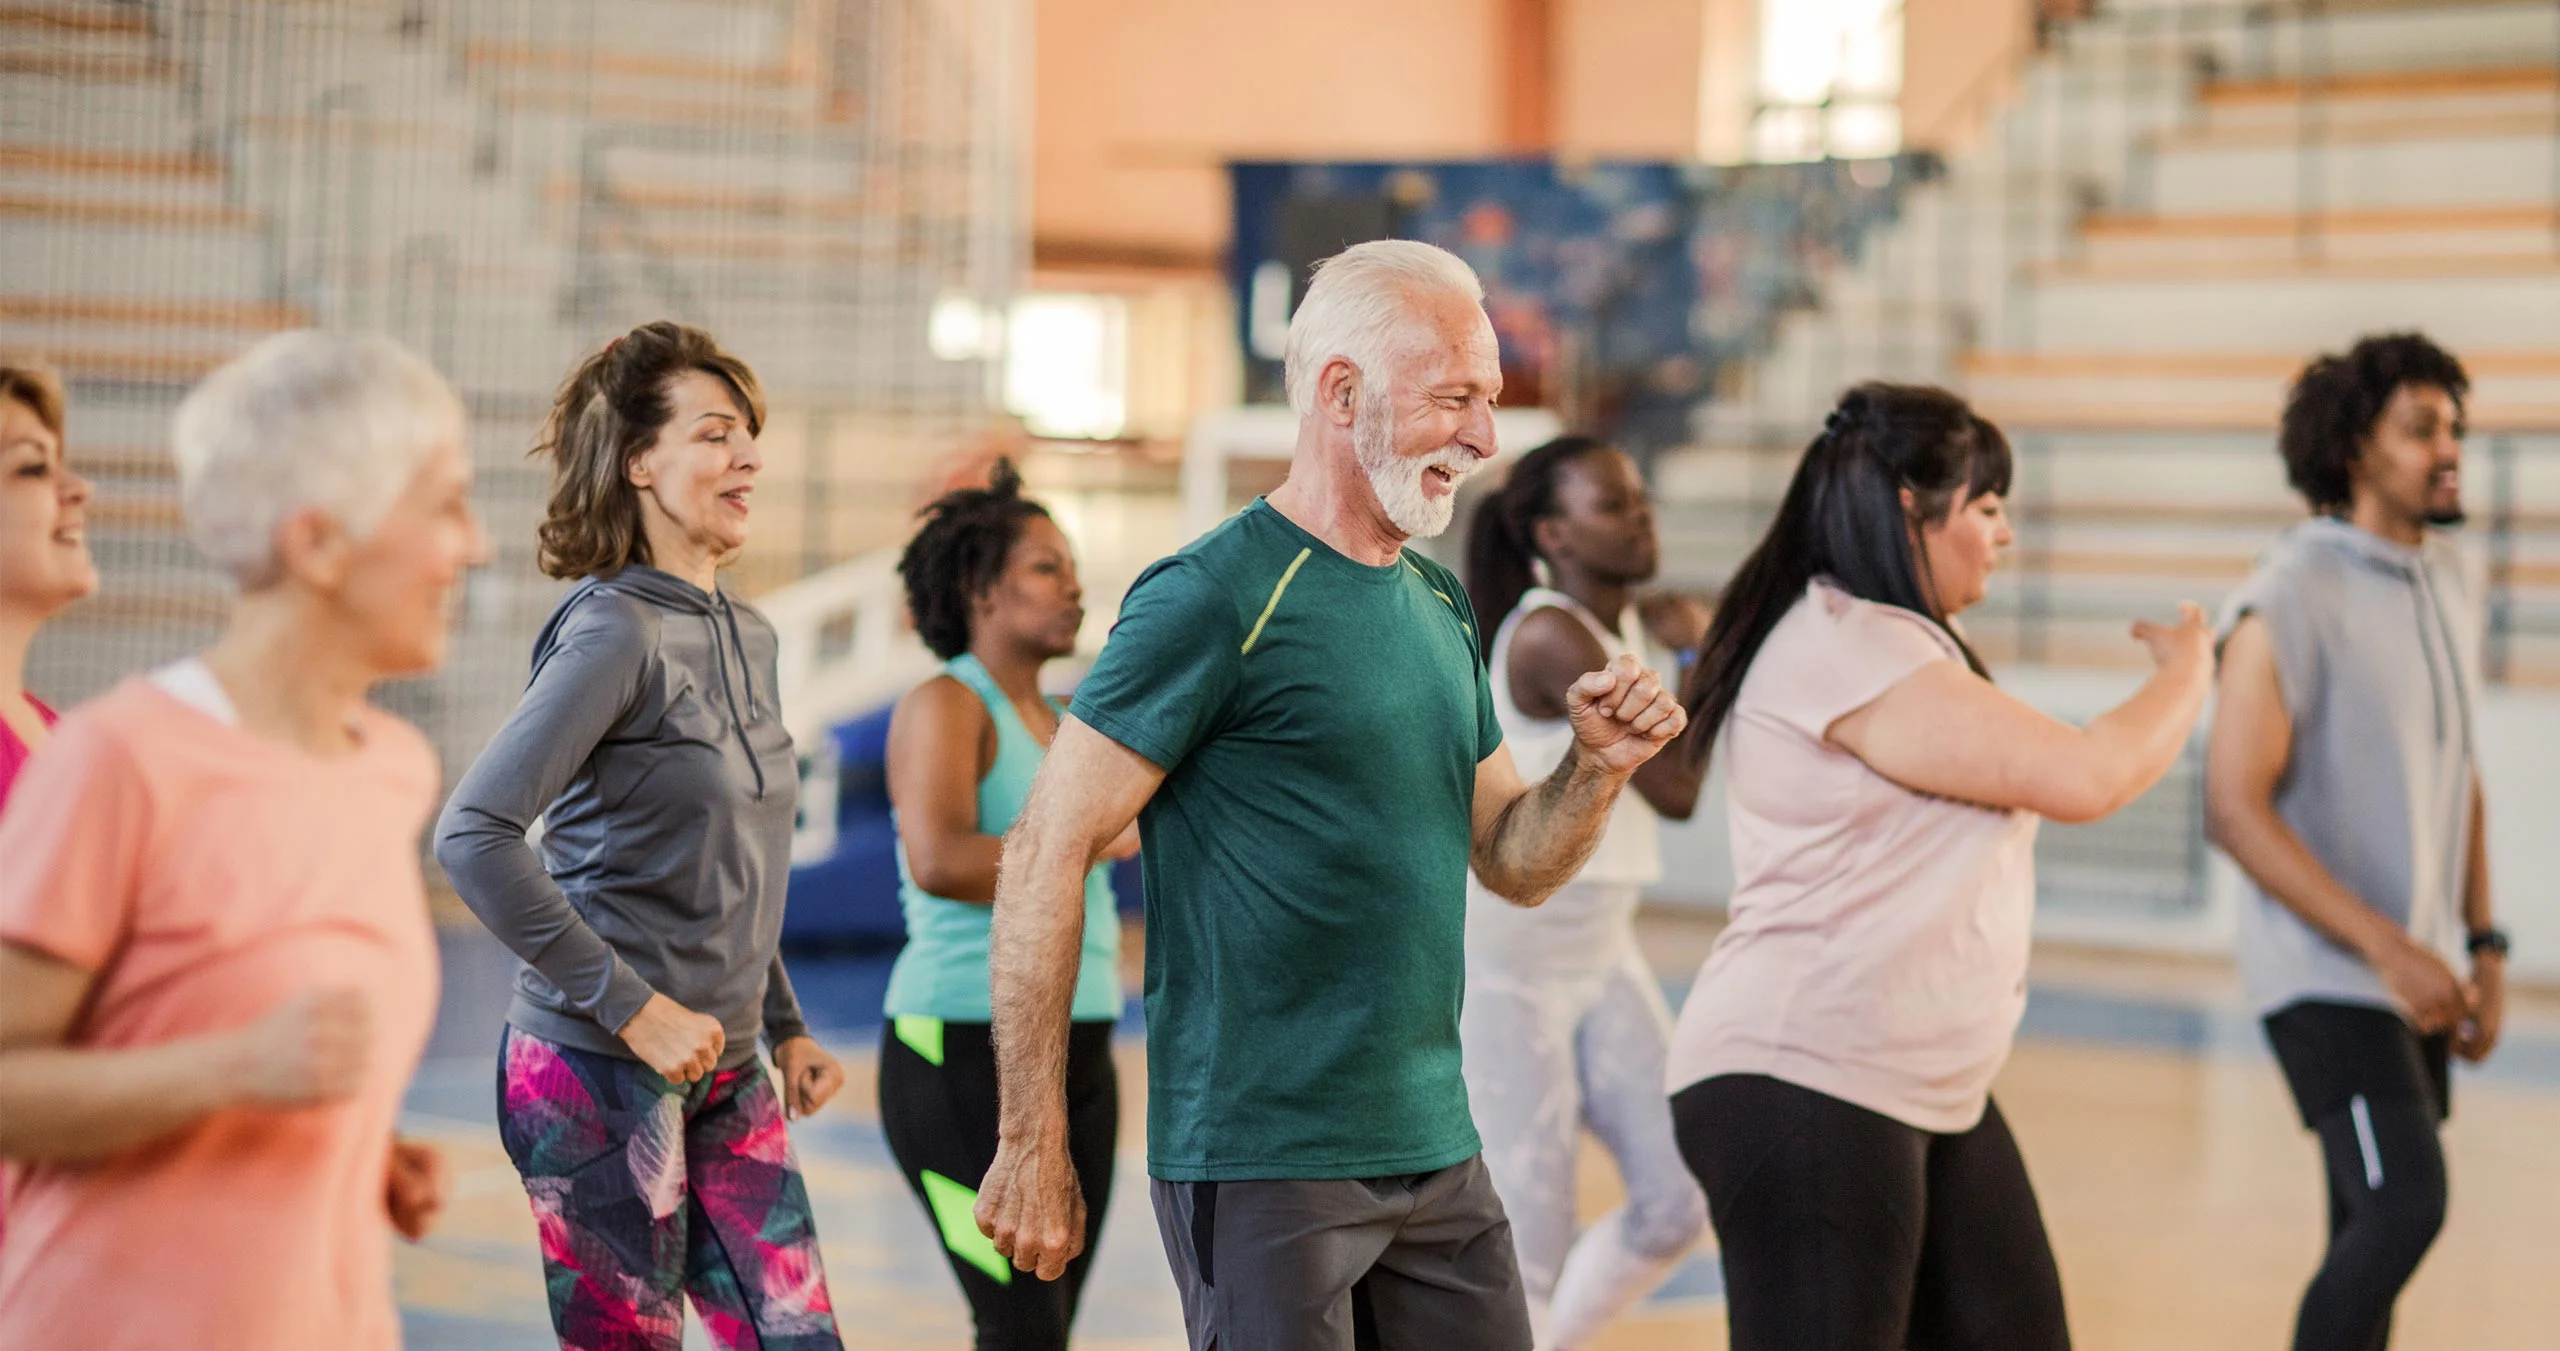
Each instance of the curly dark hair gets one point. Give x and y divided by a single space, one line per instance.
608 412
2336 401
961 550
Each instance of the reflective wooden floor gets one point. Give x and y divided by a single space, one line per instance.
2183 1198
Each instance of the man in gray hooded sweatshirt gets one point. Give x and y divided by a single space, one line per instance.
2340 777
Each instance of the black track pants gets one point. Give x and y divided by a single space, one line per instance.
938 1108
2375 1092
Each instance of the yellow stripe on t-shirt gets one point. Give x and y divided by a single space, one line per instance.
1426 581
1444 597
1274 603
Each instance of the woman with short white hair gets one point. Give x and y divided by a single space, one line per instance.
216 966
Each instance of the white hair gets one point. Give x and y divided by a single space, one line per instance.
1360 308
333 421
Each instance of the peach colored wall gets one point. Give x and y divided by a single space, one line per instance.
1138 104
1627 76
1959 59
1729 80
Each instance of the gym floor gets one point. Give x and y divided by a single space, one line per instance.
2183 1197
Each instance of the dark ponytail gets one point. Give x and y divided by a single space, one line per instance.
1502 542
1843 519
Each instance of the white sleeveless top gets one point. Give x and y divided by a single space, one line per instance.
1630 853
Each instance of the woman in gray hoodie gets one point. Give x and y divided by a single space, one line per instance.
650 743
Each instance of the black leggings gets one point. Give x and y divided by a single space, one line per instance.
2375 1091
1846 1230
938 1108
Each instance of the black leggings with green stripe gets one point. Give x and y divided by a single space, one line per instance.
938 1108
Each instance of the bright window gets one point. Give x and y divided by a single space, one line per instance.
1830 79
1066 364
961 329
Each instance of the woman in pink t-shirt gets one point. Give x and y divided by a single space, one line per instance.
216 966
1831 1071
44 551
44 564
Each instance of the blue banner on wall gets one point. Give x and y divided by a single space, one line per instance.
1620 290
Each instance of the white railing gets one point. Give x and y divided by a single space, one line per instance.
845 645
844 649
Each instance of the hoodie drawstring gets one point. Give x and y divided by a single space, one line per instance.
2441 630
2441 633
728 692
2418 600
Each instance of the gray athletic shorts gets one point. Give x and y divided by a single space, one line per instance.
1396 1263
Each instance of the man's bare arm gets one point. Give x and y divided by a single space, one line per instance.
1549 652
2477 913
2475 1037
2247 755
1531 840
1087 792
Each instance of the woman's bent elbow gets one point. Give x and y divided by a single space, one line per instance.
2073 813
2226 823
934 878
453 851
464 833
2081 802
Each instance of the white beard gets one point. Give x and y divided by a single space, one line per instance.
1397 480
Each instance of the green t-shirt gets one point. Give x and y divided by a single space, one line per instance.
1319 722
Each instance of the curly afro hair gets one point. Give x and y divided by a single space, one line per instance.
968 533
2337 400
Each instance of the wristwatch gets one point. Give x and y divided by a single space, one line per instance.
2487 940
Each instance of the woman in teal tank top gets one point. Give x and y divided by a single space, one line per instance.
991 583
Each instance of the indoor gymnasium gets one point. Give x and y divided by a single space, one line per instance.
1446 675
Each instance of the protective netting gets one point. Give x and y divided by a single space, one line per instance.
502 184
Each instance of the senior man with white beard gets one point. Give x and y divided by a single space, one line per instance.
1294 711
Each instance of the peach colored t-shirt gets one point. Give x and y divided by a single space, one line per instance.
208 875
1877 950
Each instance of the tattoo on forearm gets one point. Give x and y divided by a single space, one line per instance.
1550 831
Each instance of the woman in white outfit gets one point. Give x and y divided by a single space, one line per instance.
1564 1024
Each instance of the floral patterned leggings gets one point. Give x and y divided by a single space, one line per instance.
646 1191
